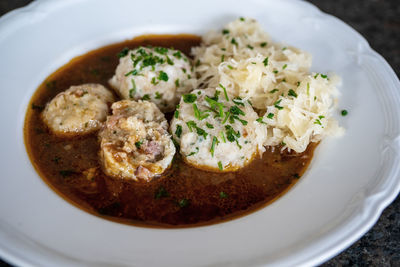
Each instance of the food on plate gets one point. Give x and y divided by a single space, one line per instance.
79 110
134 142
297 105
158 74
245 116
216 131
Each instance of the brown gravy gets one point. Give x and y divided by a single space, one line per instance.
183 196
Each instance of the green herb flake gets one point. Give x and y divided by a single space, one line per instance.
191 125
265 61
189 98
223 195
178 131
273 90
225 31
213 144
260 120
222 58
161 192
158 95
163 76
225 93
284 66
324 76
241 19
238 101
275 71
176 113
308 89
183 203
66 173
123 52
161 50
321 117
138 144
270 115
250 47
317 121
193 152
344 112
292 93
298 84
222 135
284 48
198 114
178 55
264 44
236 111
229 67
209 125
276 104
133 72
220 167
201 132
132 91
37 107
169 61
153 81
146 97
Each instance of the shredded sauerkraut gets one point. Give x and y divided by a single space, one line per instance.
296 105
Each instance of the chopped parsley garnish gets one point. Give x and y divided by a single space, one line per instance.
197 63
201 132
344 112
209 125
153 81
222 135
250 47
161 192
225 31
263 44
133 72
194 152
275 71
191 125
189 98
225 93
222 58
176 113
235 117
178 131
270 115
223 195
284 48
233 41
220 167
241 19
321 117
298 84
158 95
231 134
123 52
66 173
163 76
198 114
276 104
169 61
324 76
236 111
308 89
230 67
139 143
37 107
161 50
265 61
132 91
273 91
178 55
238 101
226 117
183 203
146 97
292 93
284 66
213 144
177 82
317 121
316 75
214 104
260 120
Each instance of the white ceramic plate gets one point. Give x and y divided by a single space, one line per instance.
350 181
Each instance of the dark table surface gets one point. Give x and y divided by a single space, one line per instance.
379 22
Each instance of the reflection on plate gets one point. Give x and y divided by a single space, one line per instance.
337 200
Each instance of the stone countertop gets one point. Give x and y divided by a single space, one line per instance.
379 22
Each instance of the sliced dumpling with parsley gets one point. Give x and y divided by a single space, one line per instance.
134 142
79 110
216 131
157 74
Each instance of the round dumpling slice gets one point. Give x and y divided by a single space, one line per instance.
79 110
216 131
157 74
134 142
